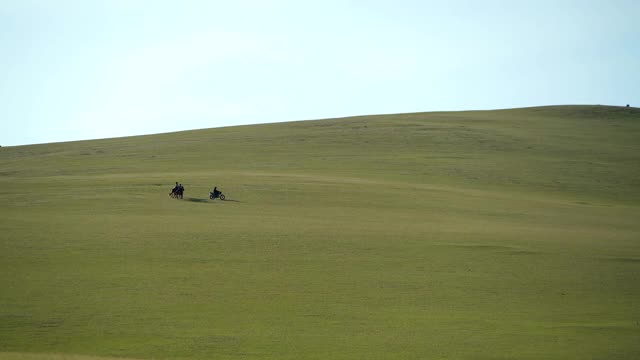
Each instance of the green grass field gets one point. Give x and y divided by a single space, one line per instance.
511 234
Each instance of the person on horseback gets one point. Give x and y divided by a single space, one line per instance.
174 191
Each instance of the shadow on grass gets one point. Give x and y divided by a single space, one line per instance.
207 201
196 200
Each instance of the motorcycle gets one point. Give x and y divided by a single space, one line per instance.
219 195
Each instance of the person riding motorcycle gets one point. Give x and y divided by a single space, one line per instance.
216 194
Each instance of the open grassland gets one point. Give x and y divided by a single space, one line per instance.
510 234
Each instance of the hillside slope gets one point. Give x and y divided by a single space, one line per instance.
462 235
580 150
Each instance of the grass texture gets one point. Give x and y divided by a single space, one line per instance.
509 234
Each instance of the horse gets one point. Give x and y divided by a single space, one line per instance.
177 193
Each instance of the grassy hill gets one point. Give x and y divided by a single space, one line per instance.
459 235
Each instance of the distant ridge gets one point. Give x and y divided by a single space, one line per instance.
546 110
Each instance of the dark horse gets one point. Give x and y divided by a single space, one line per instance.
177 192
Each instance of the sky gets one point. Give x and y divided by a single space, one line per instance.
83 69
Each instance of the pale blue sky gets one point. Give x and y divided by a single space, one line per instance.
84 69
